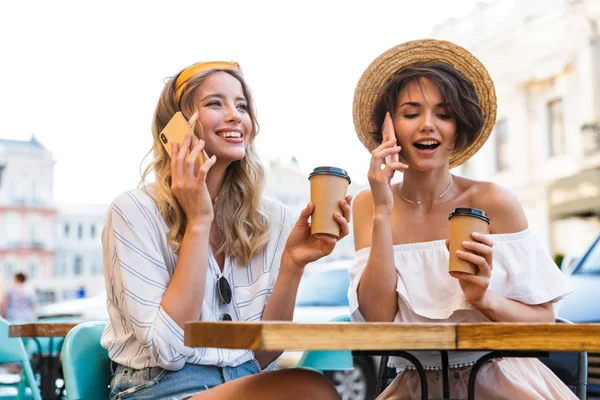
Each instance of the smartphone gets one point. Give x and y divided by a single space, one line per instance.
388 133
175 131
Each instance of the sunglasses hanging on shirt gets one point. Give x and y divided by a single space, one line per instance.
224 290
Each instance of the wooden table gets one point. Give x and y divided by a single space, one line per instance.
49 364
41 329
514 339
275 336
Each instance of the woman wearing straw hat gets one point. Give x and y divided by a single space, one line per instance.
202 243
422 108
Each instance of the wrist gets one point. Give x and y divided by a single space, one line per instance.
484 303
198 226
289 267
381 214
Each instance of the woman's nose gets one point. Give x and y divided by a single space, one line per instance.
233 115
426 123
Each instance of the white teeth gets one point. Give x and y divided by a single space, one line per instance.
230 135
428 142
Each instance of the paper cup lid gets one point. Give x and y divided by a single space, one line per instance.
469 212
330 171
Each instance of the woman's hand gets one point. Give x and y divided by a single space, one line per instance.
188 182
381 172
302 248
475 286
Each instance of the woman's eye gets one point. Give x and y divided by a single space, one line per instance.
213 103
243 107
411 116
445 116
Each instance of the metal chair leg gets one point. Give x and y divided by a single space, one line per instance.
445 375
581 389
382 378
402 354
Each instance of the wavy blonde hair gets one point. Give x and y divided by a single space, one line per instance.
242 226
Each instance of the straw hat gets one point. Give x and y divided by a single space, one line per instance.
379 72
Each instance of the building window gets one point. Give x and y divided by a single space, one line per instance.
66 230
502 148
80 231
33 271
556 128
62 269
78 268
97 268
93 231
8 272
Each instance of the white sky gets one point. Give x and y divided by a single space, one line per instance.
84 77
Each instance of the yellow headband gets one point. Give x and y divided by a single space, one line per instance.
193 70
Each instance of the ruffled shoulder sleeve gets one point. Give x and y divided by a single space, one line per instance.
524 271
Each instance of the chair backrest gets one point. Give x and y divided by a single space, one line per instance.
86 365
11 349
328 360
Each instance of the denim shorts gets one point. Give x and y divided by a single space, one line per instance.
157 383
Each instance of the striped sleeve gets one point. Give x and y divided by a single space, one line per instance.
133 242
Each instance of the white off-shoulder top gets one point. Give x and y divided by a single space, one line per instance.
522 271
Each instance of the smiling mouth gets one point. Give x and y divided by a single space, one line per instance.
230 135
426 145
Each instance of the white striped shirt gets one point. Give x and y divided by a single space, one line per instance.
138 266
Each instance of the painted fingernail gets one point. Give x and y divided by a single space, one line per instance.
465 243
460 252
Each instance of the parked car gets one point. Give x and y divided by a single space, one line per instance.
583 304
87 308
322 296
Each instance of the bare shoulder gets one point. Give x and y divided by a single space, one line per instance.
501 205
363 201
362 214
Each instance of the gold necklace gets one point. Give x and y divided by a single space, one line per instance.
419 201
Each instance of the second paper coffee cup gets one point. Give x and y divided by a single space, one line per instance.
328 185
463 222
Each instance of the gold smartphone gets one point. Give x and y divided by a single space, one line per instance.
175 131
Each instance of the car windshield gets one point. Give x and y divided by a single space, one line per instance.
591 263
324 288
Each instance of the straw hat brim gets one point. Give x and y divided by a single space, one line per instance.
378 73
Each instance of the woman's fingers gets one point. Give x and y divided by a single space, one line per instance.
178 155
480 261
398 166
461 276
345 207
304 215
193 159
203 171
344 229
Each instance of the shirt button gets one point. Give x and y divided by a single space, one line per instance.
456 375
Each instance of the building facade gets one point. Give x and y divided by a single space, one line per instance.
544 58
58 248
27 214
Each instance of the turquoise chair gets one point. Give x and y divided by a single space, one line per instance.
86 366
12 350
328 360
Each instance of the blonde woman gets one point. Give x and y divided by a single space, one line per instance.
201 243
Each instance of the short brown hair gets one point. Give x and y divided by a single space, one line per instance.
456 90
20 277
